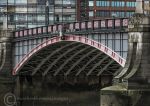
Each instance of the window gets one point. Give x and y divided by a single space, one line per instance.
32 18
58 1
10 1
41 9
41 2
31 1
20 9
118 14
130 4
117 3
102 3
66 2
21 1
31 25
91 3
129 14
102 13
11 17
32 9
91 13
2 2
51 17
51 2
41 17
21 17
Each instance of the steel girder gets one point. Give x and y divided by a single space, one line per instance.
92 59
68 58
100 62
62 55
45 59
77 62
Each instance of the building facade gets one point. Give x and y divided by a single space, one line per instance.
20 14
107 8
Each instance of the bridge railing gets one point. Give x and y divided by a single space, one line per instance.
117 23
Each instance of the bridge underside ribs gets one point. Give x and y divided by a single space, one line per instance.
70 59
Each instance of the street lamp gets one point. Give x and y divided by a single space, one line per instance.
3 10
47 13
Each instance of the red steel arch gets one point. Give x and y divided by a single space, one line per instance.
80 39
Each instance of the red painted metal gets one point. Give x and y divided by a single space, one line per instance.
94 24
81 39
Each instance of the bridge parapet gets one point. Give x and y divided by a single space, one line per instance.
110 32
76 27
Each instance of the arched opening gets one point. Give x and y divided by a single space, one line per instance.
65 73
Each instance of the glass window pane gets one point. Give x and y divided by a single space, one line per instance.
31 1
10 1
2 2
91 13
21 1
91 3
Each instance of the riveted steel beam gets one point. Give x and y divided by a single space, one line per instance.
62 55
80 59
47 58
69 59
118 71
99 63
92 59
105 67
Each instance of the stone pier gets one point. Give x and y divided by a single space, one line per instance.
132 85
6 78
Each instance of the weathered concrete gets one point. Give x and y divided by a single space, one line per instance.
5 51
6 79
132 85
117 96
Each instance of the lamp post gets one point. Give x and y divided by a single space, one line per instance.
2 10
62 31
47 13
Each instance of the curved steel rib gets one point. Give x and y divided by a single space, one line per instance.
54 62
47 58
69 60
100 62
96 56
105 67
79 61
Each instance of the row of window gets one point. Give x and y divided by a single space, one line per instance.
122 14
130 4
21 17
113 3
102 3
111 14
40 2
29 21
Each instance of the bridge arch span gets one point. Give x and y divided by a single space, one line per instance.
110 56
